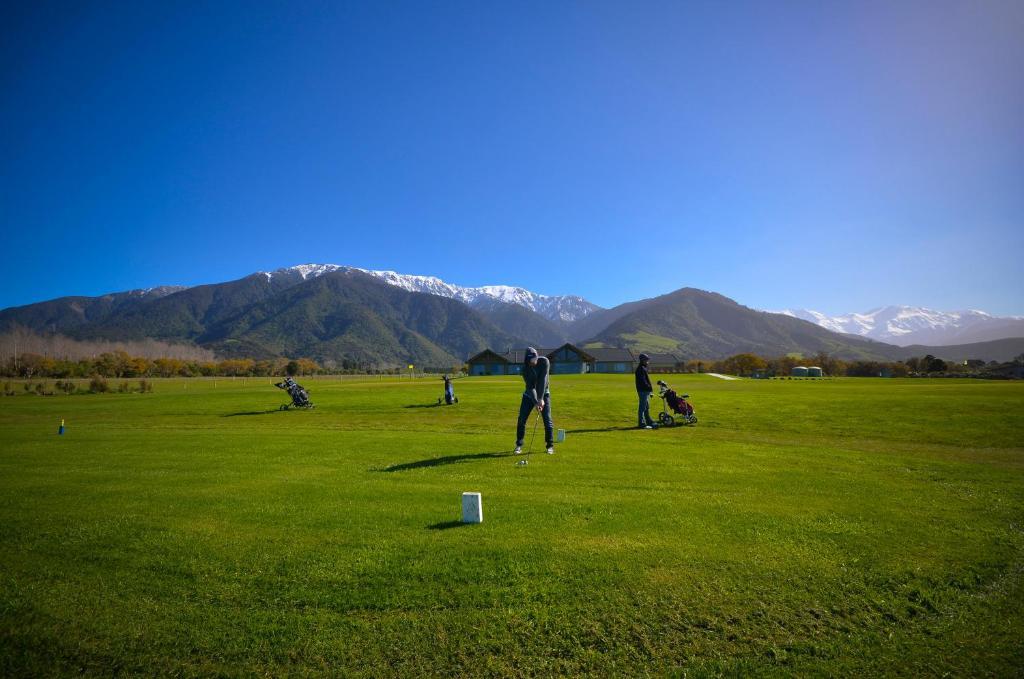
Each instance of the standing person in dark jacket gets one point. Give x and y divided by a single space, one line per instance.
537 396
643 392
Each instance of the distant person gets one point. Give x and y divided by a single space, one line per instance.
537 396
449 391
643 392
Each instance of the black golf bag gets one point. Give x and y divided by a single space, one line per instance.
678 404
300 399
449 392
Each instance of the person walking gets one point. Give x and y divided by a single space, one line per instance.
643 392
537 396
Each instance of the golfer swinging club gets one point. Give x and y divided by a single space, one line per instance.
537 396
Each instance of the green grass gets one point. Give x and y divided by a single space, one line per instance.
650 341
854 526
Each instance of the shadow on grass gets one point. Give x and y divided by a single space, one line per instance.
445 525
592 431
441 461
254 412
423 405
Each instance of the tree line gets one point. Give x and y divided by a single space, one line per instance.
26 354
121 364
748 364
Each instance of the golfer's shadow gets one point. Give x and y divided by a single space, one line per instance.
424 405
441 461
592 431
254 412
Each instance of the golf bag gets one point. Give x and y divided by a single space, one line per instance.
678 404
300 399
449 392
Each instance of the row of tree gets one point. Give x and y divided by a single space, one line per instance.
121 364
751 364
19 340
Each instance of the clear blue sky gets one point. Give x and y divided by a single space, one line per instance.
836 156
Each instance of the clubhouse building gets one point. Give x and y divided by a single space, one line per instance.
570 359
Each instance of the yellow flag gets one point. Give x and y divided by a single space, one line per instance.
410 366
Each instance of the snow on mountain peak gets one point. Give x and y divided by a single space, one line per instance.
557 308
905 325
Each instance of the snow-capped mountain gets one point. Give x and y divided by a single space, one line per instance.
156 292
562 308
906 325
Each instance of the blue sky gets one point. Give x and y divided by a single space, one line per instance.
836 156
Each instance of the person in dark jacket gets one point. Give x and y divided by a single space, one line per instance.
643 392
537 396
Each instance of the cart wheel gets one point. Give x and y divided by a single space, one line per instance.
666 420
693 419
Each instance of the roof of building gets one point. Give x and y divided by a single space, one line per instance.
664 359
585 354
509 356
611 354
484 355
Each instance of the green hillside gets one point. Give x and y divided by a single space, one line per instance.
344 315
708 325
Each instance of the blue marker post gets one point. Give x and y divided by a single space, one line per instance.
60 431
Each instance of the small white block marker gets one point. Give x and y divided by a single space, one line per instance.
472 508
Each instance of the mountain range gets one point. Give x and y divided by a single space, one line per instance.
340 314
907 325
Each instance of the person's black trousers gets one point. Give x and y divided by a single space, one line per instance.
525 408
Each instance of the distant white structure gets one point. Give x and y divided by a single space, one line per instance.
799 371
814 371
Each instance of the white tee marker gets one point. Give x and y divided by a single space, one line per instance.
472 508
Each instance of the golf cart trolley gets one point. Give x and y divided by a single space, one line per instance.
678 404
300 399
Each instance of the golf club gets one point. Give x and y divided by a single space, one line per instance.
536 420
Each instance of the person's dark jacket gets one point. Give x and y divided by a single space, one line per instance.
643 380
536 378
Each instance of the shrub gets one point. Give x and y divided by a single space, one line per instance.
145 386
98 385
41 388
67 386
8 389
124 388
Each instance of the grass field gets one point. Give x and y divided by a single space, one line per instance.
855 526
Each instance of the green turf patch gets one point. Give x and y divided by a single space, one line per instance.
843 527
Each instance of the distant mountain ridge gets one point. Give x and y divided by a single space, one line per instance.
907 325
339 313
557 308
700 324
